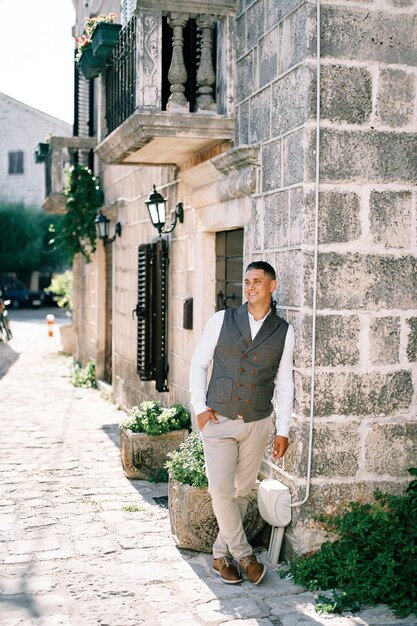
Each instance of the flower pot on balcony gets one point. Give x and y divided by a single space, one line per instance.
144 456
104 38
41 152
193 523
89 65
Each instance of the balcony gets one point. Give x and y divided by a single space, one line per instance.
64 152
167 87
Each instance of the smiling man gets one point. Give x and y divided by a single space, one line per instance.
252 353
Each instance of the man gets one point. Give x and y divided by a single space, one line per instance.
252 353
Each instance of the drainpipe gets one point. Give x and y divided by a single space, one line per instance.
316 241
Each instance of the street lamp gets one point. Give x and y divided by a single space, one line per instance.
102 228
156 205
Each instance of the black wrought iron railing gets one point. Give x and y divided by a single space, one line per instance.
121 78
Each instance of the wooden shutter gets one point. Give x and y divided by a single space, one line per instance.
145 361
152 312
160 314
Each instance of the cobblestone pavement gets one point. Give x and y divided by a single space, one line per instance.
70 553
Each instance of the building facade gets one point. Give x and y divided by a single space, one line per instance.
287 130
21 129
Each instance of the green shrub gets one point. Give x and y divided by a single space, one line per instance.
84 376
374 560
151 418
62 287
186 463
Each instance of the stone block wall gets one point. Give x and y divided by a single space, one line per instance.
21 129
366 331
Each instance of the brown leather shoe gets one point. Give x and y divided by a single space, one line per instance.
226 570
254 570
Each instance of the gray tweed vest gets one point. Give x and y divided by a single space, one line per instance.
242 380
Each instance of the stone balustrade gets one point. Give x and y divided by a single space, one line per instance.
170 78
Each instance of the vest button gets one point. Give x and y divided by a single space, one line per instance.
253 372
251 385
242 369
255 357
237 398
248 400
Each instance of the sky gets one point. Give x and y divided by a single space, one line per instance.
37 58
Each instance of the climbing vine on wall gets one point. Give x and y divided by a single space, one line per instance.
77 232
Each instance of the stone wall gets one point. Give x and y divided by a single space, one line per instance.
21 129
365 428
366 322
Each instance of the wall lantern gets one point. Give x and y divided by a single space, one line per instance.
102 228
156 207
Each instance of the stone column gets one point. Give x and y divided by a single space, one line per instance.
206 76
177 74
149 60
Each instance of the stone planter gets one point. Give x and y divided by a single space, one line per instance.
193 523
144 456
67 338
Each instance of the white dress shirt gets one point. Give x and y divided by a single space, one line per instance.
284 383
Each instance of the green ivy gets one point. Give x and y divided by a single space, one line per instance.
374 559
84 196
151 418
186 463
84 376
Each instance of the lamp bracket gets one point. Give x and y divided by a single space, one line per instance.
117 232
178 215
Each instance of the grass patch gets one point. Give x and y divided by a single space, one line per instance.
133 508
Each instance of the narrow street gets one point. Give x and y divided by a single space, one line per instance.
71 554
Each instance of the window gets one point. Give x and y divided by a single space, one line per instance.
229 268
16 162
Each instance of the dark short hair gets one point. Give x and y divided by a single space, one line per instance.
262 265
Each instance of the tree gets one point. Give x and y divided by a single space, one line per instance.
24 240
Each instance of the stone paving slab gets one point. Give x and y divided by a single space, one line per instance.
70 554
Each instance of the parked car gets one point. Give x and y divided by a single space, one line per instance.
19 295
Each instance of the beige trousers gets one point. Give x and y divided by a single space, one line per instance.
233 453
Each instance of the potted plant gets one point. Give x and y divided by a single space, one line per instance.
193 523
147 436
62 288
88 65
104 33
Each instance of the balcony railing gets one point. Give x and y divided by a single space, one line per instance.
121 78
64 152
169 77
